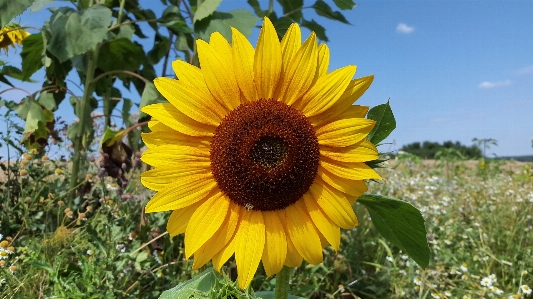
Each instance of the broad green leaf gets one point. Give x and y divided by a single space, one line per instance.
316 28
257 8
181 43
120 54
198 287
345 4
34 116
272 295
159 50
124 31
73 33
32 53
323 9
39 4
171 15
385 122
401 224
292 9
9 9
241 19
206 8
12 72
47 100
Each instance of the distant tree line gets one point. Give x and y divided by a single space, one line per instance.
428 149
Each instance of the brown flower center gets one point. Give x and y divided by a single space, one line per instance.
265 155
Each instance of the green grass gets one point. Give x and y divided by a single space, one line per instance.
105 247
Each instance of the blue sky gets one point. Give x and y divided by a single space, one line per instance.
453 70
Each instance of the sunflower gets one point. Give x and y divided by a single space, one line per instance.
11 35
259 153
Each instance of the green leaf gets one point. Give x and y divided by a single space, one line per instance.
345 4
159 50
39 4
47 100
32 53
198 287
9 9
323 9
150 96
120 54
316 28
401 224
205 9
257 8
241 19
272 295
292 9
73 33
171 15
385 122
4 80
33 117
12 72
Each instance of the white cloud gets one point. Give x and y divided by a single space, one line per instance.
489 85
403 28
525 70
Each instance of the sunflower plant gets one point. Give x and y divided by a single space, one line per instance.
260 154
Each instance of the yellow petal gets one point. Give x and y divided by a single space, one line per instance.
334 204
205 222
326 91
333 115
179 219
158 178
216 62
191 101
172 154
182 193
294 259
303 233
275 251
323 60
350 187
243 59
359 152
221 238
267 61
172 117
298 77
170 136
250 245
223 255
353 92
327 228
353 171
290 44
190 74
344 132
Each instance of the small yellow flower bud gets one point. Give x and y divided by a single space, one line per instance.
41 200
4 244
67 210
59 171
2 263
9 239
24 162
23 172
45 158
34 151
82 216
70 214
27 156
11 248
13 268
28 199
60 203
89 209
89 177
3 253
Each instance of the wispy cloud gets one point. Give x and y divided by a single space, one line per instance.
525 70
489 85
403 28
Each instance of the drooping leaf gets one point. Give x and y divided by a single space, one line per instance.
292 9
12 72
385 122
72 33
323 9
241 19
9 9
32 52
345 4
205 9
317 28
198 287
120 54
401 224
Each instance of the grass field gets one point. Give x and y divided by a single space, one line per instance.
100 244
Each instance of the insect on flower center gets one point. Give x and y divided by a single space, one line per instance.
264 155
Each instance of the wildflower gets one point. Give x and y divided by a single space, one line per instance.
45 158
464 268
404 257
10 250
417 281
13 269
23 173
447 242
27 157
24 162
112 187
507 263
58 171
447 294
4 244
90 252
496 290
389 259
89 178
2 263
60 203
89 209
238 128
525 289
466 297
435 295
486 282
464 277
3 254
70 214
121 248
82 216
492 278
523 272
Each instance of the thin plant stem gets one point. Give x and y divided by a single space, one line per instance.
121 11
92 56
282 283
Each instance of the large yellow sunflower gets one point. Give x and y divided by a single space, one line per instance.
11 35
259 153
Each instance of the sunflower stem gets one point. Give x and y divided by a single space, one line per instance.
282 283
